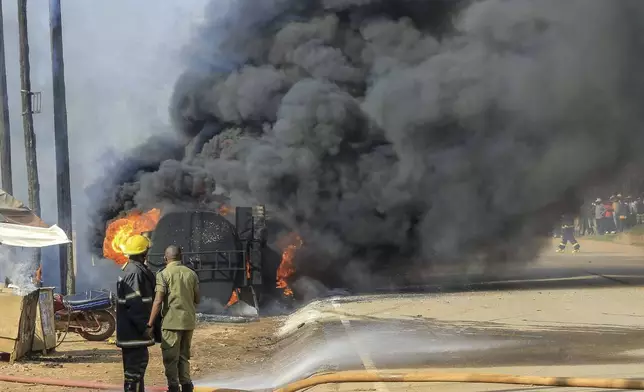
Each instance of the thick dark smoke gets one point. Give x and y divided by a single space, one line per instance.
116 190
405 133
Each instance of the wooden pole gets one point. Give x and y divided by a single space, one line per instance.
66 255
5 128
28 119
74 248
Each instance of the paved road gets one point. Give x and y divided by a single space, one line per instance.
567 315
600 264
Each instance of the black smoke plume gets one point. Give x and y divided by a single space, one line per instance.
403 135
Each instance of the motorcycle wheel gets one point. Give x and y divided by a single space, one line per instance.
108 326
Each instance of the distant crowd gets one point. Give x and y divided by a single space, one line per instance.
610 216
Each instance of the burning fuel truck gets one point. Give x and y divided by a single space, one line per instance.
228 251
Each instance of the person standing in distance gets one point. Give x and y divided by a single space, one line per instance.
135 292
568 234
177 297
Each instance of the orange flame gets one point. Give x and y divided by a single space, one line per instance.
37 280
292 243
120 230
234 298
224 210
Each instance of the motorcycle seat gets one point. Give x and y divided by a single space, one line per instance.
89 301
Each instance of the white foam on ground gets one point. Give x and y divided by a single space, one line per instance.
297 320
318 311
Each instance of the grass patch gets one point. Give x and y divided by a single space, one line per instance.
605 237
632 235
637 230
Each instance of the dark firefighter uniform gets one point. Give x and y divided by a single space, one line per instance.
135 293
568 234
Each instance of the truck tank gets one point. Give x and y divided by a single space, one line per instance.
226 256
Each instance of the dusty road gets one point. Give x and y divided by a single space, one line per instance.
216 348
567 315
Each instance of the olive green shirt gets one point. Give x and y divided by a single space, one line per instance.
178 283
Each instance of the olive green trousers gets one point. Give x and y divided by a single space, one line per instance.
175 349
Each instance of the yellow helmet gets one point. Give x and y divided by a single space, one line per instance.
135 245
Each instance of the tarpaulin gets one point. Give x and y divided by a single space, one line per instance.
13 210
19 226
31 237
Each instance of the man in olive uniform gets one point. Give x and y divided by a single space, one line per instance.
177 295
135 292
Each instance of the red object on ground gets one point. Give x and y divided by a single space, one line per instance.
71 383
86 384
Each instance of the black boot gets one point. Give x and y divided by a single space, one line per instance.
174 388
141 387
129 386
187 387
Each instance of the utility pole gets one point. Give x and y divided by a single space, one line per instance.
28 119
66 256
5 129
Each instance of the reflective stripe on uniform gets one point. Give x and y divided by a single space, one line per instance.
130 343
144 300
129 296
135 294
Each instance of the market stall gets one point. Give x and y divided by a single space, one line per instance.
29 323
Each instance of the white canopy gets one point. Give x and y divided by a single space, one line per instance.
19 226
31 237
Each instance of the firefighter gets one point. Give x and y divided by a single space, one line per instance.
177 296
568 234
135 292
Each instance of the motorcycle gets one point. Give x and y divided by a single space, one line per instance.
92 315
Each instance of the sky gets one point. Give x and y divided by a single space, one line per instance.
121 61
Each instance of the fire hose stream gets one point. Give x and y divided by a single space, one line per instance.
367 376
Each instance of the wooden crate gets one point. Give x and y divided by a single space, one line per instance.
45 331
18 322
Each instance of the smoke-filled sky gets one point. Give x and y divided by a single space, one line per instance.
402 132
121 61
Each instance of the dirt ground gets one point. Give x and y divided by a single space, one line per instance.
215 348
